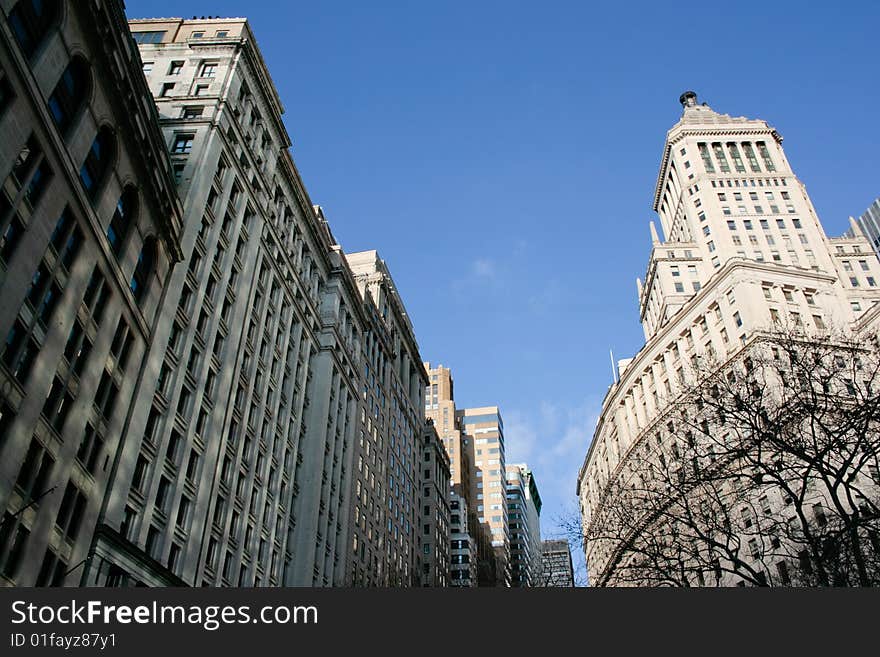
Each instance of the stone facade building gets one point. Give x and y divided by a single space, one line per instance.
90 229
237 461
743 252
386 476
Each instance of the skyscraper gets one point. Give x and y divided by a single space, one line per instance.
464 527
869 223
484 429
89 233
743 252
524 522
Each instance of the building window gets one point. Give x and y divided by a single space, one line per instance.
18 542
167 88
737 158
146 261
105 397
53 570
208 70
765 155
148 37
70 94
192 111
30 21
182 144
33 476
90 449
706 157
122 219
97 163
77 349
721 157
750 156
71 511
175 68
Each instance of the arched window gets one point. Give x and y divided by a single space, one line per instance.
70 93
30 21
94 169
146 262
122 220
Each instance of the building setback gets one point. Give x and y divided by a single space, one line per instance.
743 253
89 233
556 565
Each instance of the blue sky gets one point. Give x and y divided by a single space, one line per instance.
502 156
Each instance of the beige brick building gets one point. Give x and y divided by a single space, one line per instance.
483 431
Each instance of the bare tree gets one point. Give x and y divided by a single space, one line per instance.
763 471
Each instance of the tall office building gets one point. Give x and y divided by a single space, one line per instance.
383 512
89 233
237 458
556 564
464 527
484 429
869 223
524 521
434 515
743 252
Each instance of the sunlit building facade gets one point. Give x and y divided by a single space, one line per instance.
742 252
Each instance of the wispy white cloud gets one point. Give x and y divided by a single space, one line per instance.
484 268
553 439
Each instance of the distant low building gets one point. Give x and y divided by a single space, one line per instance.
556 566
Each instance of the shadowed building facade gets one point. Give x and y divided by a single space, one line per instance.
89 234
237 469
434 516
